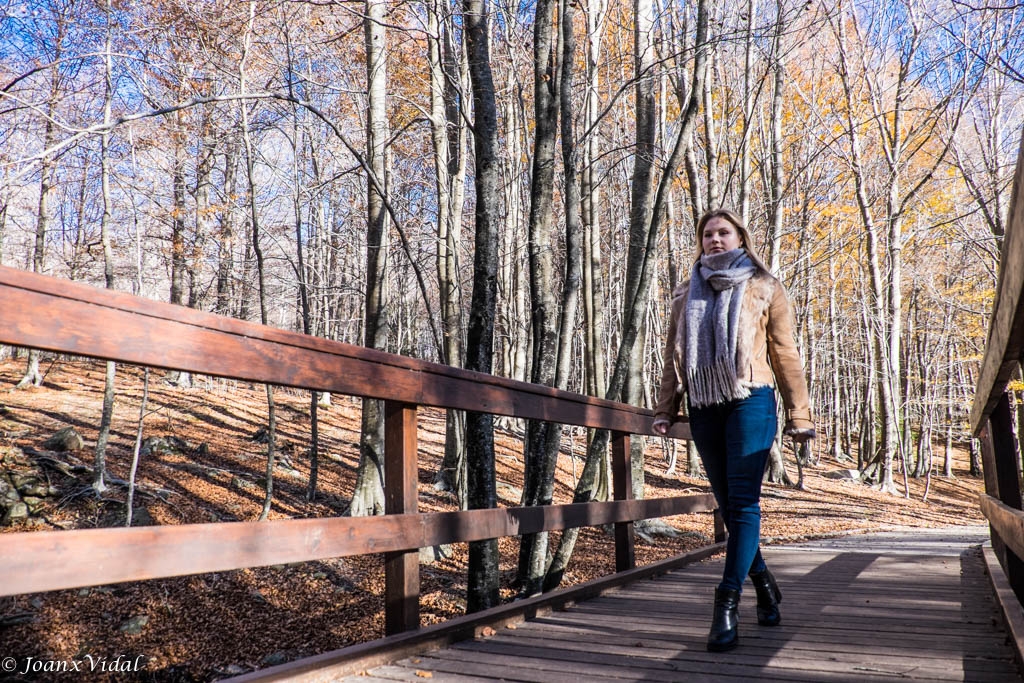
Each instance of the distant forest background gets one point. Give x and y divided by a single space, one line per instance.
513 188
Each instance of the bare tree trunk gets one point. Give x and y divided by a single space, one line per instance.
642 218
368 498
540 448
595 370
712 141
180 211
482 584
835 394
303 276
748 109
447 135
226 231
534 567
880 338
947 466
883 101
178 262
136 450
33 376
513 283
250 169
107 416
4 205
637 305
776 471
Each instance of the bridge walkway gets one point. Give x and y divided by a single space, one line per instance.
904 605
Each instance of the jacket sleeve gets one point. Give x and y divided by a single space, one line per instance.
669 397
786 363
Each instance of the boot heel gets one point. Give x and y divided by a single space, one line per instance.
768 598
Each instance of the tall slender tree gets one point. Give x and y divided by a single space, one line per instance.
368 498
482 587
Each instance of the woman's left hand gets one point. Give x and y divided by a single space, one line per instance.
799 435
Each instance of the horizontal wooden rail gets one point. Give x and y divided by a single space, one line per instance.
69 317
102 556
1005 344
1007 522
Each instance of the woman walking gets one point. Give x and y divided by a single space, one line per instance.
730 344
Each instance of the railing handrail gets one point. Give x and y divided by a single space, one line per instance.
1005 342
1007 522
113 325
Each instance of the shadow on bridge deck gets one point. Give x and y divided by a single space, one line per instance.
906 604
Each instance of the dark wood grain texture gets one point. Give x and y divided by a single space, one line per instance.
401 476
98 323
52 560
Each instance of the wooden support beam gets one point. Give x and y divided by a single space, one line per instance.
622 489
1007 459
401 474
720 531
988 469
988 460
1007 464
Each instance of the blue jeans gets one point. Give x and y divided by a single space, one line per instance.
734 440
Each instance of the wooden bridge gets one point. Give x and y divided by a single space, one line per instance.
914 606
929 606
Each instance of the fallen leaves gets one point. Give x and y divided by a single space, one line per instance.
201 624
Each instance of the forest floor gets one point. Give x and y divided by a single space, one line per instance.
200 628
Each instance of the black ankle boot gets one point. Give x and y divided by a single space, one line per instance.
724 634
768 598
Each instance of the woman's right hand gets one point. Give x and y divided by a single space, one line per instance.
661 426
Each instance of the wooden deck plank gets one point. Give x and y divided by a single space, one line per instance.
754 666
808 617
513 667
836 637
859 609
795 646
851 641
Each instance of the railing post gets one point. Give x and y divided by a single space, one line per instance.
988 469
622 489
720 532
1007 474
401 473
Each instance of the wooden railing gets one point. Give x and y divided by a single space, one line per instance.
45 313
991 418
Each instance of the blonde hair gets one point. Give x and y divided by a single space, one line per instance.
747 242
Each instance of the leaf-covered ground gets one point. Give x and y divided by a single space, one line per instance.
205 627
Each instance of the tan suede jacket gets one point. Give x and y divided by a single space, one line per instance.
765 338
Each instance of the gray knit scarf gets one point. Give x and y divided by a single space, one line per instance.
712 326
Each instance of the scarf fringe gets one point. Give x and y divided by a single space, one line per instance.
715 383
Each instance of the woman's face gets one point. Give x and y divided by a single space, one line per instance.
720 235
